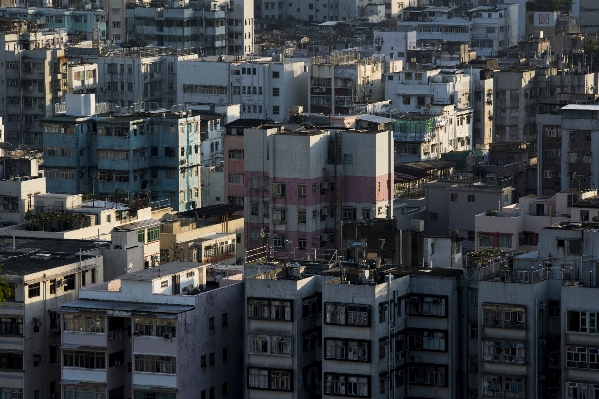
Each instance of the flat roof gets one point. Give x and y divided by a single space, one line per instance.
112 307
590 202
32 255
160 271
138 225
212 210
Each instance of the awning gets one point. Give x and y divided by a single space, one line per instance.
86 383
154 388
83 347
11 316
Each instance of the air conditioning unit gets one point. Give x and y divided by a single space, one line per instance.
324 185
167 336
316 240
324 211
543 306
136 333
315 187
324 237
117 363
111 335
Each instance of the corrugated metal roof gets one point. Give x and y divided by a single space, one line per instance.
111 307
138 225
375 119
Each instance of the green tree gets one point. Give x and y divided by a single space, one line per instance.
6 290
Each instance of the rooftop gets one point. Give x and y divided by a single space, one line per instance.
113 307
32 255
212 210
590 202
165 269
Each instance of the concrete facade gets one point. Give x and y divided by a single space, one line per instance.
173 316
302 203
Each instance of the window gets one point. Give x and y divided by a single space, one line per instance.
572 199
211 323
254 208
11 393
427 375
253 183
269 309
11 326
275 92
155 364
235 178
453 197
279 217
311 306
301 243
278 189
84 359
141 236
554 309
581 322
499 386
275 74
236 154
301 217
427 306
427 340
473 297
471 197
155 327
347 385
33 290
275 110
574 247
582 357
211 359
504 316
584 216
432 216
347 314
349 214
276 380
503 352
301 190
473 327
268 344
84 323
224 319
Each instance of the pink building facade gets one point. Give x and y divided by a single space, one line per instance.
301 185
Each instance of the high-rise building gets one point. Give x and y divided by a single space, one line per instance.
300 185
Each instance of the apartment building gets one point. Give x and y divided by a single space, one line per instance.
82 78
300 185
328 10
557 88
234 157
481 75
264 88
516 226
489 29
212 234
340 82
588 16
20 180
42 276
35 78
397 337
85 24
140 79
218 28
452 206
175 335
514 106
138 155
